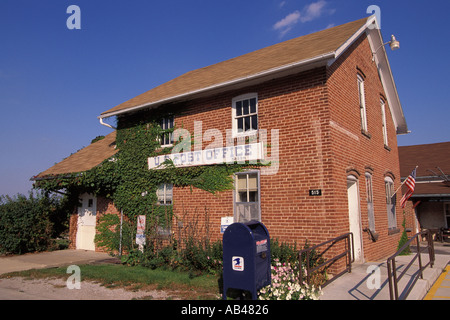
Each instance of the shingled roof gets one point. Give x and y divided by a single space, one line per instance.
83 160
429 158
285 54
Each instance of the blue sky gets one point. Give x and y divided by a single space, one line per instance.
54 82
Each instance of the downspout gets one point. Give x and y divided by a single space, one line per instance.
106 124
120 239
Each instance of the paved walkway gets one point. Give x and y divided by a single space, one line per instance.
369 281
441 288
50 259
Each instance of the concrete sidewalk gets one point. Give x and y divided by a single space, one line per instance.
361 284
50 259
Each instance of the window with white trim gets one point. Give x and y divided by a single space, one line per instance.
245 114
362 104
165 194
166 138
390 203
370 211
247 197
383 119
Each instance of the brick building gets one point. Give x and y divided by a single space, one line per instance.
429 205
322 108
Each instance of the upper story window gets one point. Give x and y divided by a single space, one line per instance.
245 114
362 104
384 124
166 137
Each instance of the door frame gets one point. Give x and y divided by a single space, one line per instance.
86 232
354 217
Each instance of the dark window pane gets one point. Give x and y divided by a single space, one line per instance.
255 122
242 196
245 107
253 105
247 124
240 125
253 196
238 108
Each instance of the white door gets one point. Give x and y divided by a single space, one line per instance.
87 214
354 215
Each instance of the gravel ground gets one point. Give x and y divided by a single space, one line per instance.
18 288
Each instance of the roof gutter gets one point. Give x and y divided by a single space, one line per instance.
273 71
106 124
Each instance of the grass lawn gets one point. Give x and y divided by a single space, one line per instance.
182 284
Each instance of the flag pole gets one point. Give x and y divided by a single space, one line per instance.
403 183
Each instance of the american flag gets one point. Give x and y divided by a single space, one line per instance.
410 184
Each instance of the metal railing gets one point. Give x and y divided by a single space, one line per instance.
348 254
392 268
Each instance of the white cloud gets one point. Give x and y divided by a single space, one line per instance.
313 11
310 12
287 22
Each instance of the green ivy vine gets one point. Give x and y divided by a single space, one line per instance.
126 179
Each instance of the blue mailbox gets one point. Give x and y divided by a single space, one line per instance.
246 257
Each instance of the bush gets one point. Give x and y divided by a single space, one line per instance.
404 239
203 256
25 223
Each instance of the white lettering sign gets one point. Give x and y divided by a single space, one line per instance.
239 153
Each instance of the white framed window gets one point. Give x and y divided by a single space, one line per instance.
384 124
247 197
165 194
166 138
390 203
245 114
370 210
362 103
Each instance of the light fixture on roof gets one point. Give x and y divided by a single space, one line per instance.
394 44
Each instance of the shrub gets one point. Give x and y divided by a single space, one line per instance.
25 223
404 239
203 256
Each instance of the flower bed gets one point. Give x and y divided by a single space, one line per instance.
286 285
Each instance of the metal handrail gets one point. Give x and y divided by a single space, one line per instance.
348 253
392 270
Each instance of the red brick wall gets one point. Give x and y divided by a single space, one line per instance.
104 206
355 151
73 227
317 113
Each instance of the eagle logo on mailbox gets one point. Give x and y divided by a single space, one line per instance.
238 263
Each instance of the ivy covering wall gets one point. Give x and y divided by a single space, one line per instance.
126 179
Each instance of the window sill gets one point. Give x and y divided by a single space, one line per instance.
248 134
393 231
366 134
